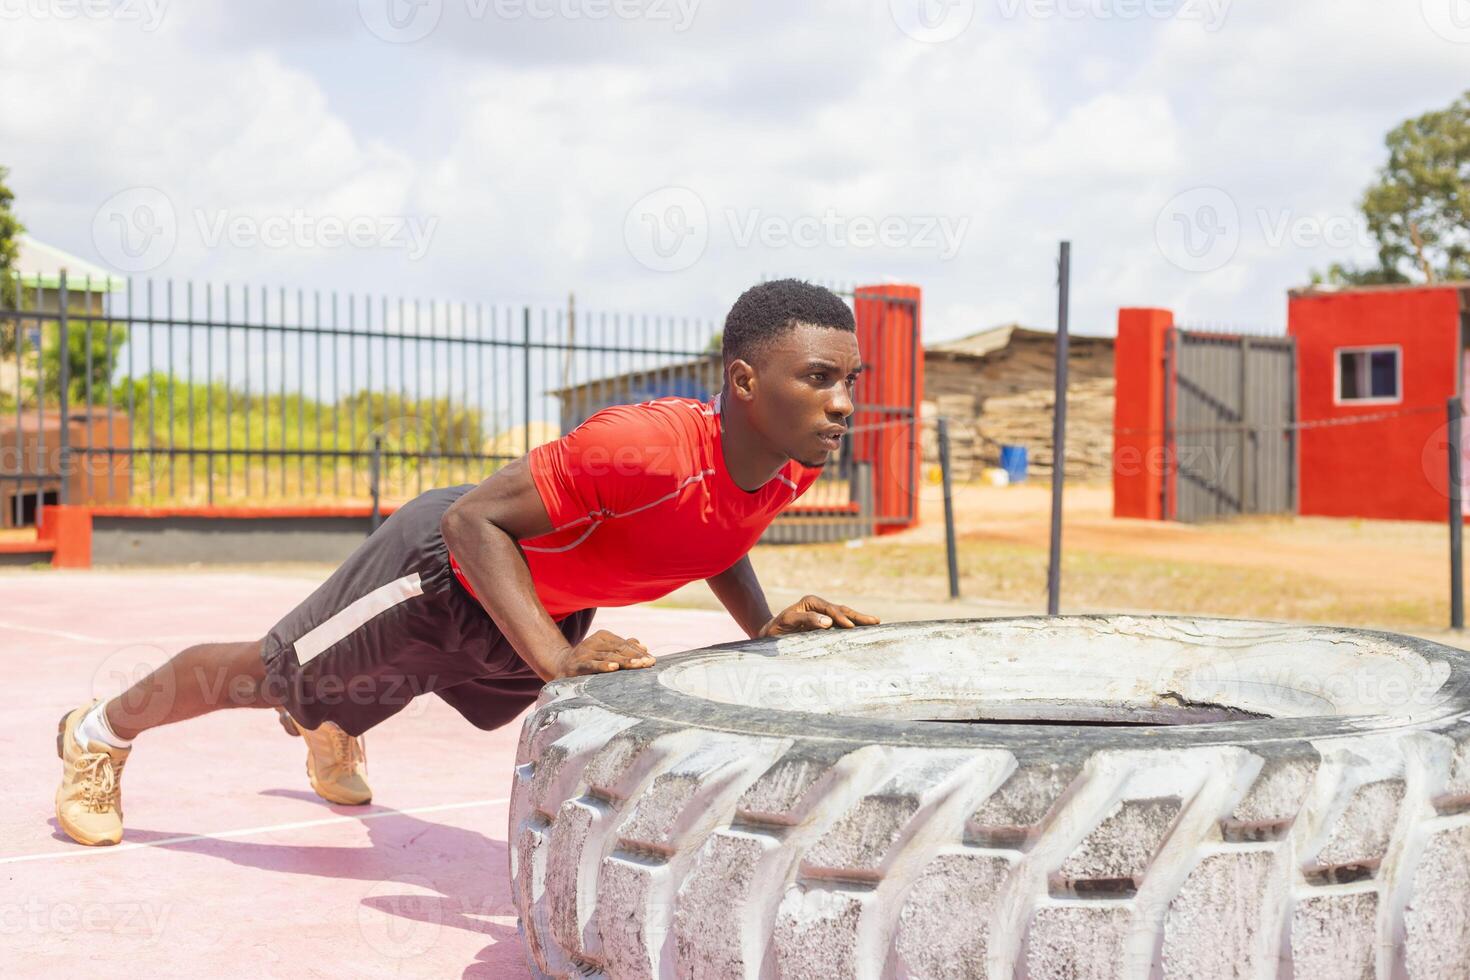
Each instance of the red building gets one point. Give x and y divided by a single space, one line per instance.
1392 355
1375 368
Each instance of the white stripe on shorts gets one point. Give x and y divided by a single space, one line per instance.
380 600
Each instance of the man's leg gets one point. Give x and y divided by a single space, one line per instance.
94 741
201 679
354 652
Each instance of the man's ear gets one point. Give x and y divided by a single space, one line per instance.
742 379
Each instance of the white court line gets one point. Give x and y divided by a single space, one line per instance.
81 850
58 634
119 641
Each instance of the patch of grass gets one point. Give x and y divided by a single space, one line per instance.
1093 580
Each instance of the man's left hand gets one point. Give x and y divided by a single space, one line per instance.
815 613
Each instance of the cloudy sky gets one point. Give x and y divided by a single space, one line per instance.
660 155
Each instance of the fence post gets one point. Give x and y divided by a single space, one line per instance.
63 360
1457 557
526 374
1059 434
949 542
375 483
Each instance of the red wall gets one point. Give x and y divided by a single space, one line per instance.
1393 469
890 338
1138 413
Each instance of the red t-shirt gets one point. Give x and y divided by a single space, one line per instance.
641 503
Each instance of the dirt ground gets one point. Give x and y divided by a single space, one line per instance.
1390 574
1387 574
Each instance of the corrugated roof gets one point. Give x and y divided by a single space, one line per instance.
997 338
1332 289
40 265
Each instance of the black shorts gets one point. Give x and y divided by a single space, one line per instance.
392 624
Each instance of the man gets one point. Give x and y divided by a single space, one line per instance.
480 594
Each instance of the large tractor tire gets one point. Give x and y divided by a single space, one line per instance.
1077 797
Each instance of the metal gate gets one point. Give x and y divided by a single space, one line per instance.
167 395
1230 404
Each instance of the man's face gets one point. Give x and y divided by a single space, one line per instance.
803 391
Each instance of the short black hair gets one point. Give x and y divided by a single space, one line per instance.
765 311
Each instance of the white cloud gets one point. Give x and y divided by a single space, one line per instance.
527 141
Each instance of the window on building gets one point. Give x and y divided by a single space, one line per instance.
1368 374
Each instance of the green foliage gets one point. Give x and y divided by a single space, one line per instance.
1338 274
92 349
167 412
10 229
1423 193
214 415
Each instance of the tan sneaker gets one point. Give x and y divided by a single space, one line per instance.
89 800
336 763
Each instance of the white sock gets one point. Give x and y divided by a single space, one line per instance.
94 728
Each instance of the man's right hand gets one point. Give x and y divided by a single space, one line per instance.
602 652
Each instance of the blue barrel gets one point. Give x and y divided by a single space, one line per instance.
1013 461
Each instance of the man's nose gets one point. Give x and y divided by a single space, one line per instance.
841 403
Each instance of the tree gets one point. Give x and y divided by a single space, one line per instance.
1419 208
10 229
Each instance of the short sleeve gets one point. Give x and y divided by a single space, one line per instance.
619 459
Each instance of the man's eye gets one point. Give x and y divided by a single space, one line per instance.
818 377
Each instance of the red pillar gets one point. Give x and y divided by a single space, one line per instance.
890 337
69 528
1138 413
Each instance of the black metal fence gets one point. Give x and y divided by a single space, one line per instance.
171 396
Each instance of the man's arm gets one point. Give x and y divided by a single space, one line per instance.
481 529
740 592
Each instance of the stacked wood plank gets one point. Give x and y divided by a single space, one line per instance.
1006 397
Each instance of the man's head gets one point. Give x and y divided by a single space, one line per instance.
791 360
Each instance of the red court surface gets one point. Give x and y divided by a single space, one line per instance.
230 865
